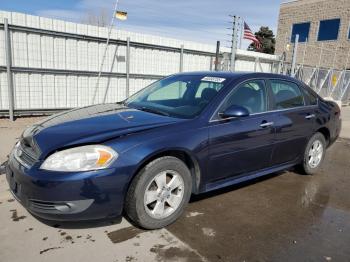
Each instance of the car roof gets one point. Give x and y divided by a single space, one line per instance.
238 75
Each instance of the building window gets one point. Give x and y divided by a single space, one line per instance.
302 30
329 30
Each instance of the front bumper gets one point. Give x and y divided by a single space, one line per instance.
67 196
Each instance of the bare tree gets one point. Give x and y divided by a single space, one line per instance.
98 17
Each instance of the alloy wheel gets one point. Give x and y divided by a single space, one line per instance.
164 194
315 153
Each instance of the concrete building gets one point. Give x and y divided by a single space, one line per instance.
323 29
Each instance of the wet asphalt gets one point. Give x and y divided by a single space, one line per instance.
282 217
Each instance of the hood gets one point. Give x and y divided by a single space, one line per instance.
93 124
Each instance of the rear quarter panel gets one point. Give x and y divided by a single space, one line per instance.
328 116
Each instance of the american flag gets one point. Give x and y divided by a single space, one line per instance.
248 34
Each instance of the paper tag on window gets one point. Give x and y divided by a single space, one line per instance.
213 79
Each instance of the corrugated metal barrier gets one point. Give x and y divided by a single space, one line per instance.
54 64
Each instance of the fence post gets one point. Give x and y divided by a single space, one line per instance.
295 54
256 64
279 67
8 68
182 58
330 82
127 89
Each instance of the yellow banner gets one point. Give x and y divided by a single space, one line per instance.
334 80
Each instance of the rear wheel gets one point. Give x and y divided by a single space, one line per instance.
159 193
314 154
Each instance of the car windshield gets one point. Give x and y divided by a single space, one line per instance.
181 96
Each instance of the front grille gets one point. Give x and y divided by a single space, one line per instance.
29 147
25 154
27 159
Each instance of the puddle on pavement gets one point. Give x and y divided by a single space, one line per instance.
89 237
15 216
209 232
164 253
124 234
69 238
49 249
130 259
194 214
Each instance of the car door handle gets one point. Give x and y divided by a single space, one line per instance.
310 116
266 124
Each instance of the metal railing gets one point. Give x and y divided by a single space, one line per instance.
328 83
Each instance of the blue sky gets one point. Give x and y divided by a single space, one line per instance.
198 20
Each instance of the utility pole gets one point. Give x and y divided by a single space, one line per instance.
217 56
234 42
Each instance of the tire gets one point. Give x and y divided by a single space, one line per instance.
312 167
144 188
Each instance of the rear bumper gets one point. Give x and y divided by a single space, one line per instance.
68 196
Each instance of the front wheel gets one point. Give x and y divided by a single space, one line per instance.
314 154
159 193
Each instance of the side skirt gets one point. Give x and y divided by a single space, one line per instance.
246 177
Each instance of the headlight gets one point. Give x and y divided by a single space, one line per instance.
84 158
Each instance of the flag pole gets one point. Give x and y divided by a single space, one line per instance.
105 51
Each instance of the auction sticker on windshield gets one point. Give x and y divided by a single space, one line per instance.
213 79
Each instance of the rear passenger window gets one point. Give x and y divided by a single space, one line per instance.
310 96
286 94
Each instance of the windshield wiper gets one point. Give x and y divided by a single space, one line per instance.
121 103
152 110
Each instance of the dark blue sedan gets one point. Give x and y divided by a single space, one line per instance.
185 134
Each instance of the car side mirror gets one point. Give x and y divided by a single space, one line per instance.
234 111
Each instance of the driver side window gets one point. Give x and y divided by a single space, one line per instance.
251 95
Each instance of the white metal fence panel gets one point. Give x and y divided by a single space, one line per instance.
3 91
55 63
2 49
